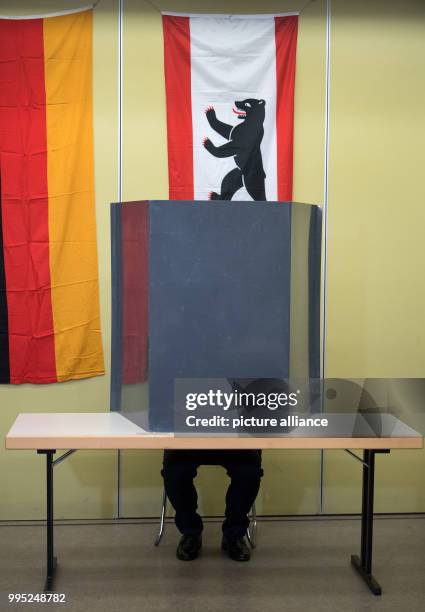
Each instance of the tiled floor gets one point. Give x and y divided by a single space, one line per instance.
299 565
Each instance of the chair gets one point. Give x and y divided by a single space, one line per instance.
251 532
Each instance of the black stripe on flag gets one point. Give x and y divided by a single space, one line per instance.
4 325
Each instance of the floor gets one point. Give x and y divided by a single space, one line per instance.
299 565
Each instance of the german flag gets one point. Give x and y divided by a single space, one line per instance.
49 297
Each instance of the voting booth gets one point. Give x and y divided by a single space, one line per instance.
211 295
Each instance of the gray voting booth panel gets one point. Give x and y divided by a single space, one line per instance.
211 290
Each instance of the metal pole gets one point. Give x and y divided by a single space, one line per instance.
325 228
120 184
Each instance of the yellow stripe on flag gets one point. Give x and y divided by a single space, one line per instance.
72 225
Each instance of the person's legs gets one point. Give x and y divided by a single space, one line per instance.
179 470
245 472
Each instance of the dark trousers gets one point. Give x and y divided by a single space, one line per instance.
244 469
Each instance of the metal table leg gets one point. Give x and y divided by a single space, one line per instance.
363 565
51 559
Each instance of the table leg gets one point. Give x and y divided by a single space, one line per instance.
51 559
363 565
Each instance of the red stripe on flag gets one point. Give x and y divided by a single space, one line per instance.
23 148
179 106
134 236
286 29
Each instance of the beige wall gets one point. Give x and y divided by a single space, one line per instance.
376 290
375 295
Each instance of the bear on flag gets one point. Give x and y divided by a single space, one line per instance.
230 105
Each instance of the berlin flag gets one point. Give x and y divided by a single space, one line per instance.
230 105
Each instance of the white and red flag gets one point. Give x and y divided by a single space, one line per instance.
230 105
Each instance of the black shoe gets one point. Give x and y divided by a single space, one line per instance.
236 548
189 547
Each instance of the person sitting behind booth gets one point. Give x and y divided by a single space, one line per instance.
245 472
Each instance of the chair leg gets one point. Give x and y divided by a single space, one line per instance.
162 519
251 532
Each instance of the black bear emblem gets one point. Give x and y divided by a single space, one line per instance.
244 145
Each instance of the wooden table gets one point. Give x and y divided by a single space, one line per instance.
48 432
